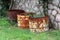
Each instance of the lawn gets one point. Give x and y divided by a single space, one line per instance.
12 32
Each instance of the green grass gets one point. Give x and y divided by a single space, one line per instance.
11 32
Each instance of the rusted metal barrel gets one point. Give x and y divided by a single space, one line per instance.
23 21
12 14
38 24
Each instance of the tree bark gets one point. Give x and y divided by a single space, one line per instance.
54 13
34 6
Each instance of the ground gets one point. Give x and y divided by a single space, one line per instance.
12 32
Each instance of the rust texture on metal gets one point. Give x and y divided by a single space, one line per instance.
12 14
23 21
38 24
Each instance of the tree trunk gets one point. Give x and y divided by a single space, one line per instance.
35 6
54 13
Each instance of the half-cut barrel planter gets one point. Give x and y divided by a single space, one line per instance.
23 21
39 24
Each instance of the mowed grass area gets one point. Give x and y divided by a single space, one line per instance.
12 32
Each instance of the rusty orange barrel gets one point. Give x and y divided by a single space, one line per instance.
23 21
12 14
39 24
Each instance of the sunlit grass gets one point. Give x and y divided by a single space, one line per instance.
9 32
